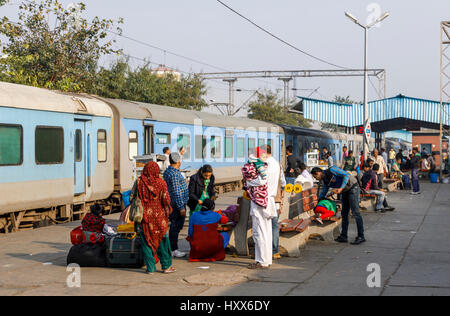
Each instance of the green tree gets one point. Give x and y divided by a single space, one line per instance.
142 84
269 107
54 48
336 128
3 2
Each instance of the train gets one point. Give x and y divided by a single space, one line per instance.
62 152
399 145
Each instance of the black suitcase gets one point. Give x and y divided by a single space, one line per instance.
87 255
124 253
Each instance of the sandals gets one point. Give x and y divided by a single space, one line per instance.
170 270
255 266
318 219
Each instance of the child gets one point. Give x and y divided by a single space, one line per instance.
255 178
207 244
324 209
260 165
93 222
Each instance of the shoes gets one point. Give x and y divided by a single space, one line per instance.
319 220
178 254
381 210
276 256
389 209
415 193
341 239
359 240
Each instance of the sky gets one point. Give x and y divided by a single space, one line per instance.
407 44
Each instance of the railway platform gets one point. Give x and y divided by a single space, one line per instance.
410 246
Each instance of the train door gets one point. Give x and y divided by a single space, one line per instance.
80 158
148 140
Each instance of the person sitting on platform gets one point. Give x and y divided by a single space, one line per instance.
93 221
305 178
207 244
370 185
395 168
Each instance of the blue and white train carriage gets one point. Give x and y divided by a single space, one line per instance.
223 142
59 152
53 153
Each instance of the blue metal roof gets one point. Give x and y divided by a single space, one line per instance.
351 115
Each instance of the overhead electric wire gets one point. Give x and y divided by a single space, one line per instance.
279 38
166 51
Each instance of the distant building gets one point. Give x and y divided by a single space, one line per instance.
428 142
163 71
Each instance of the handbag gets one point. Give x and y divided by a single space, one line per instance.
136 212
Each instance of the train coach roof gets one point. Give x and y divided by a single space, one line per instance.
139 110
32 98
306 131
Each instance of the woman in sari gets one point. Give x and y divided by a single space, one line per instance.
201 187
207 244
155 200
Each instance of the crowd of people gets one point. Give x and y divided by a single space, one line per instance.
165 200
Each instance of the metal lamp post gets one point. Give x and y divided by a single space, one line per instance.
366 76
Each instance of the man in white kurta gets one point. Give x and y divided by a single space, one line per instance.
262 225
273 182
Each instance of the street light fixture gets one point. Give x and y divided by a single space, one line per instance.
366 74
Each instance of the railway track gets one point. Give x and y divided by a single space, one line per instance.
37 218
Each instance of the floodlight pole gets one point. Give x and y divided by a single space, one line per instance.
366 92
366 75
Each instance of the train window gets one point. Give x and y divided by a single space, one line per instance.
101 146
132 144
270 143
240 147
229 147
184 140
78 145
49 145
261 142
251 146
215 144
11 140
200 147
163 139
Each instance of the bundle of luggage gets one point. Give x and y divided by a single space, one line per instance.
121 249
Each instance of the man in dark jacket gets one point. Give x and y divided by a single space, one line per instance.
201 187
415 165
292 163
342 182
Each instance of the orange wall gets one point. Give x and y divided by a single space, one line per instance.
434 140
